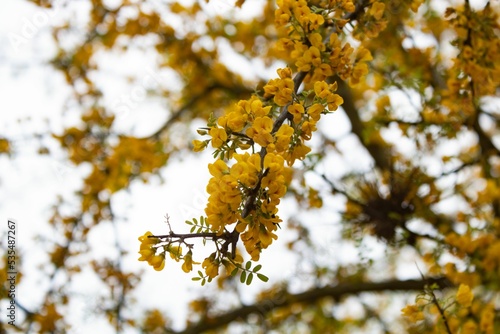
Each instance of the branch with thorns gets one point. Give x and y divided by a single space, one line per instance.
229 238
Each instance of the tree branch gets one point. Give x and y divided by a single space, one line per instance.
309 297
177 114
378 153
249 203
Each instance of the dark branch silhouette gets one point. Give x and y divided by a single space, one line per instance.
309 297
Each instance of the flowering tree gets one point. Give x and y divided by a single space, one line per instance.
417 82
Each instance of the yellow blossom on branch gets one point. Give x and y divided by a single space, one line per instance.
260 131
297 111
219 137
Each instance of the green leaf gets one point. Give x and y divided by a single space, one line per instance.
234 272
192 229
203 282
195 221
200 273
257 268
196 278
188 222
263 278
248 265
243 276
249 279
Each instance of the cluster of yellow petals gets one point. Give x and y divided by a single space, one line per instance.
464 295
263 176
299 10
281 89
225 197
211 266
148 251
325 92
257 230
413 313
260 132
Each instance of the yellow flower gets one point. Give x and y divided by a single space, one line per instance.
146 249
187 266
158 262
315 111
271 88
280 17
285 92
312 56
321 89
260 131
297 110
274 162
322 72
349 6
413 313
464 295
359 70
236 121
315 20
363 54
284 73
145 239
282 88
315 200
199 145
334 101
218 168
487 319
469 327
146 254
301 11
246 169
299 152
377 10
283 137
266 237
219 137
175 252
307 129
257 109
211 266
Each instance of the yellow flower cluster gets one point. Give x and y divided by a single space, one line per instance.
246 188
211 266
225 197
257 229
307 47
298 10
413 313
464 295
281 89
148 252
325 93
487 322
